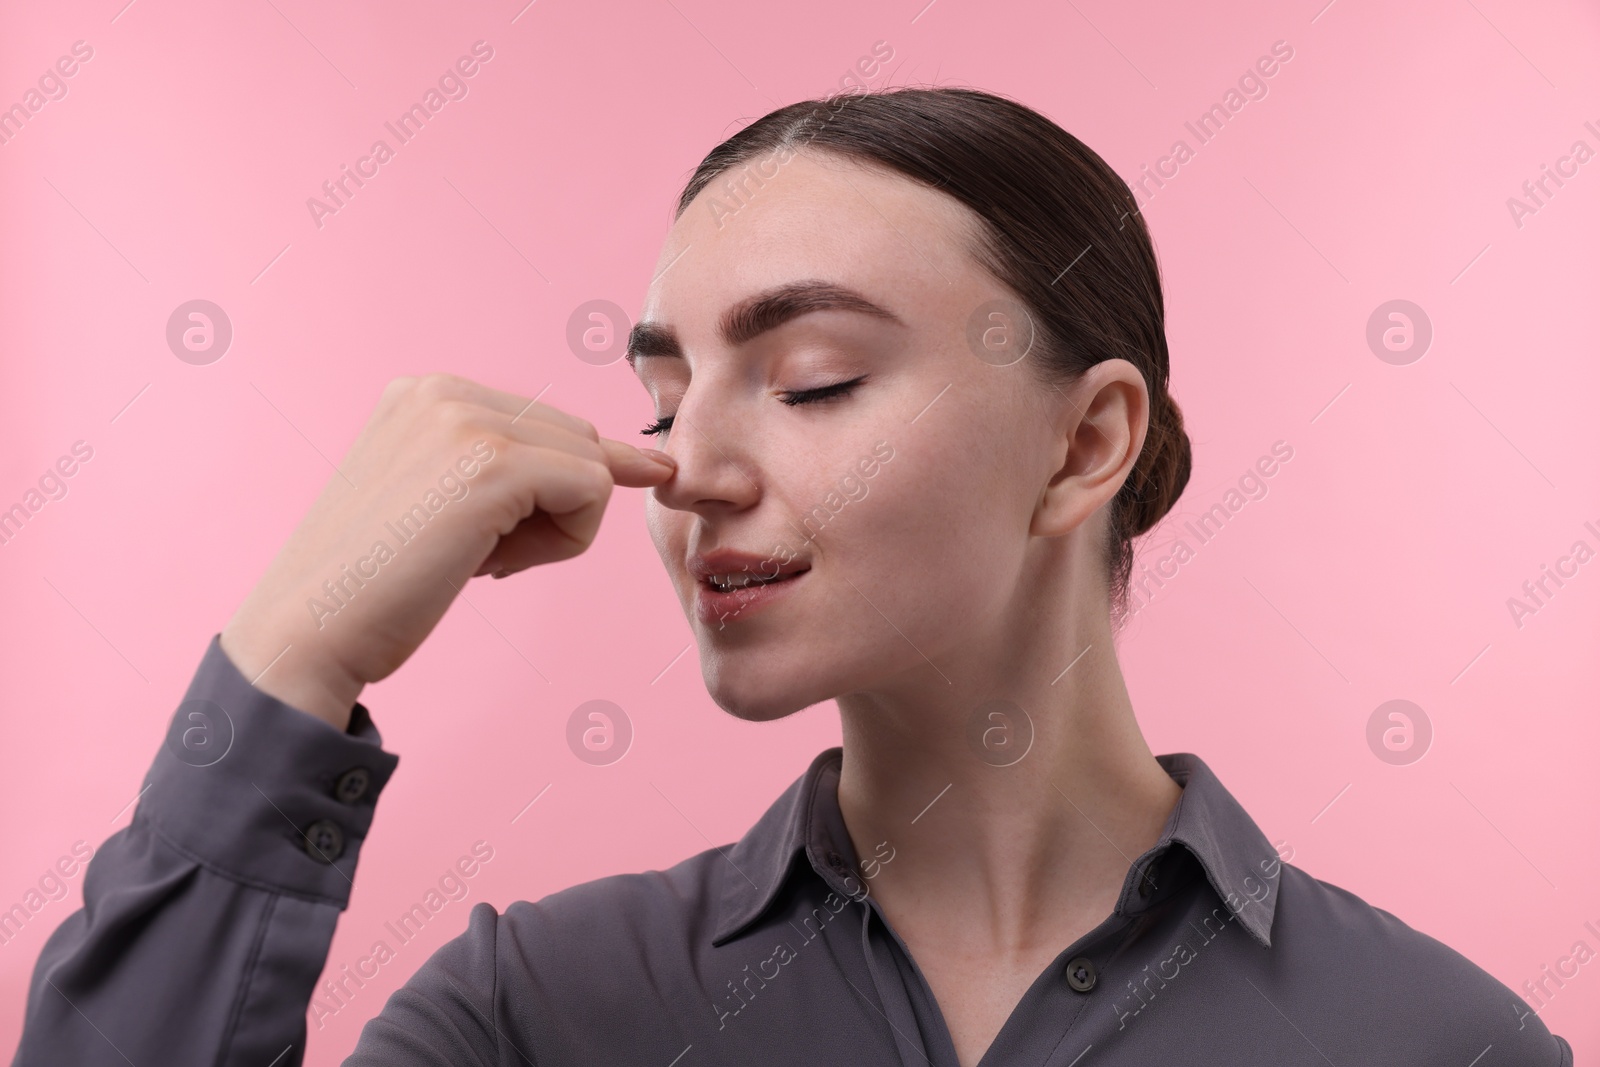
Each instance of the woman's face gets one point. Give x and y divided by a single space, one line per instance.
907 497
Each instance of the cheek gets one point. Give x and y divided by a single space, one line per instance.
658 519
930 533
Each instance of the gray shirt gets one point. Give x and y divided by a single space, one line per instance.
207 921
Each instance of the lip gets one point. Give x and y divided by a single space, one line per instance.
718 609
732 561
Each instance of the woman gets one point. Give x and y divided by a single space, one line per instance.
907 355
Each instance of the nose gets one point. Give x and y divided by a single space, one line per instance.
716 469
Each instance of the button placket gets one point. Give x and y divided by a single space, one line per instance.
1081 974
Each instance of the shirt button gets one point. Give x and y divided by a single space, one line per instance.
1080 974
324 841
352 785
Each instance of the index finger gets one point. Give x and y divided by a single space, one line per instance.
514 407
633 467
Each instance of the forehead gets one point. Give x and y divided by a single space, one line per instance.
818 216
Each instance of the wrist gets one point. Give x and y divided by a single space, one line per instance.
288 671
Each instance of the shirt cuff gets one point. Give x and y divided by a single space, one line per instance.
262 792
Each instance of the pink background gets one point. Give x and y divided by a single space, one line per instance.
1419 497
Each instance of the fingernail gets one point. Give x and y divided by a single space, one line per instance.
660 457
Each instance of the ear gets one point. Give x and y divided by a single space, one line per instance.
1100 423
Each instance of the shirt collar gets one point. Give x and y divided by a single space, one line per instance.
1239 862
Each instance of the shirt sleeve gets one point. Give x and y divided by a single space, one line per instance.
444 1015
207 920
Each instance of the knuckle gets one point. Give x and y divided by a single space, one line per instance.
456 414
398 387
437 387
493 445
601 476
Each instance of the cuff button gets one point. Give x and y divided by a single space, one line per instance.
324 841
352 785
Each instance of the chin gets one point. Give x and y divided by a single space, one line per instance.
754 696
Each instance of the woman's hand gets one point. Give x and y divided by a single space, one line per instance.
454 479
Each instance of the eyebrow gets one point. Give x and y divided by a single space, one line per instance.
755 315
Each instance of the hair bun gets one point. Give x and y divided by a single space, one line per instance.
1162 470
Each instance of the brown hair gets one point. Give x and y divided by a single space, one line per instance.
1047 203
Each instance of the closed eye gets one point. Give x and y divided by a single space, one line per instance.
803 396
826 392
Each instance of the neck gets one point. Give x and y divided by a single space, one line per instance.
1015 854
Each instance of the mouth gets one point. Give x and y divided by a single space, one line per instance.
732 583
733 587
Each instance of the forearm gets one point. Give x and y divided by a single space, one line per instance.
207 921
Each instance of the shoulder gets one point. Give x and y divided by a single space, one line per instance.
617 933
1413 991
556 973
621 911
